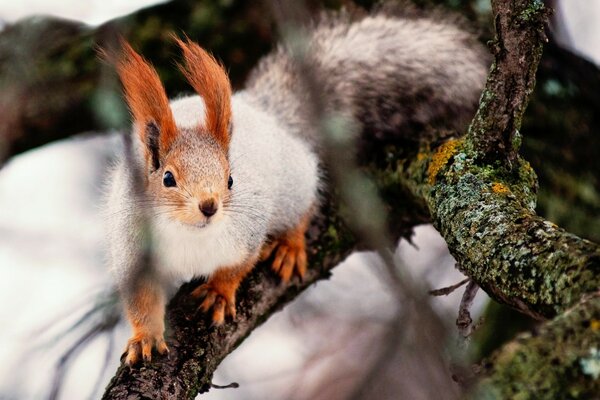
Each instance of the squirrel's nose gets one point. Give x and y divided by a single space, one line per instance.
208 207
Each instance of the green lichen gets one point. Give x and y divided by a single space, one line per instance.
485 213
535 8
591 365
559 362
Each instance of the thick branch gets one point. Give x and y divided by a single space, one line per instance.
487 219
486 211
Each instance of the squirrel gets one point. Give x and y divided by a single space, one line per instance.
216 182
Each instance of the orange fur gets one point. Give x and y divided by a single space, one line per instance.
145 96
219 292
146 313
290 251
210 81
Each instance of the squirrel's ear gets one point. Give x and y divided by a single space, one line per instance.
147 102
210 81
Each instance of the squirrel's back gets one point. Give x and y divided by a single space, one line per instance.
395 74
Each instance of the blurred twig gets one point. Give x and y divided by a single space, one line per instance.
337 134
107 314
464 321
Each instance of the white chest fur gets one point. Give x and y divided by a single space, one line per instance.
182 252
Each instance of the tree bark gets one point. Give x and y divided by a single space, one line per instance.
517 48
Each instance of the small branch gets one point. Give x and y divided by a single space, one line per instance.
517 48
445 291
464 322
232 385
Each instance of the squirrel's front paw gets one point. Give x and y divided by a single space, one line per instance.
140 346
290 257
220 296
290 252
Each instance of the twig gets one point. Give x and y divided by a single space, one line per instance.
445 291
464 321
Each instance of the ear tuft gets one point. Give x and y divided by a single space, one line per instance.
209 79
147 102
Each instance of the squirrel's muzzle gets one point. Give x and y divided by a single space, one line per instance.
208 207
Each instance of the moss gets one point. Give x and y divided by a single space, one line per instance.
485 213
535 9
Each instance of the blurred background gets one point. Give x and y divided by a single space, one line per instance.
60 118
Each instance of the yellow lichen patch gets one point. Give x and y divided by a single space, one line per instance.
595 325
500 188
440 158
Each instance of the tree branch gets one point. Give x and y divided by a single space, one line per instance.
485 211
481 196
517 48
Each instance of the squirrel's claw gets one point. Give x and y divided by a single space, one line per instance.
140 346
290 258
290 252
217 297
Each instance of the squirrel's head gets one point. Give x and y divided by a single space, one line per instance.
187 172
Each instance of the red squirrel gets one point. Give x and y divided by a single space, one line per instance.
230 179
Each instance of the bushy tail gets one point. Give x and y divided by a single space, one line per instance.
394 74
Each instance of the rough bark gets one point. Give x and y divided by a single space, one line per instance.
517 48
481 196
486 216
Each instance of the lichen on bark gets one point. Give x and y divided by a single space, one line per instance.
555 362
486 216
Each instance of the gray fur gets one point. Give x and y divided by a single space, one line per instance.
394 75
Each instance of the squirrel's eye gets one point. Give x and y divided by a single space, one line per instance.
169 179
230 182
